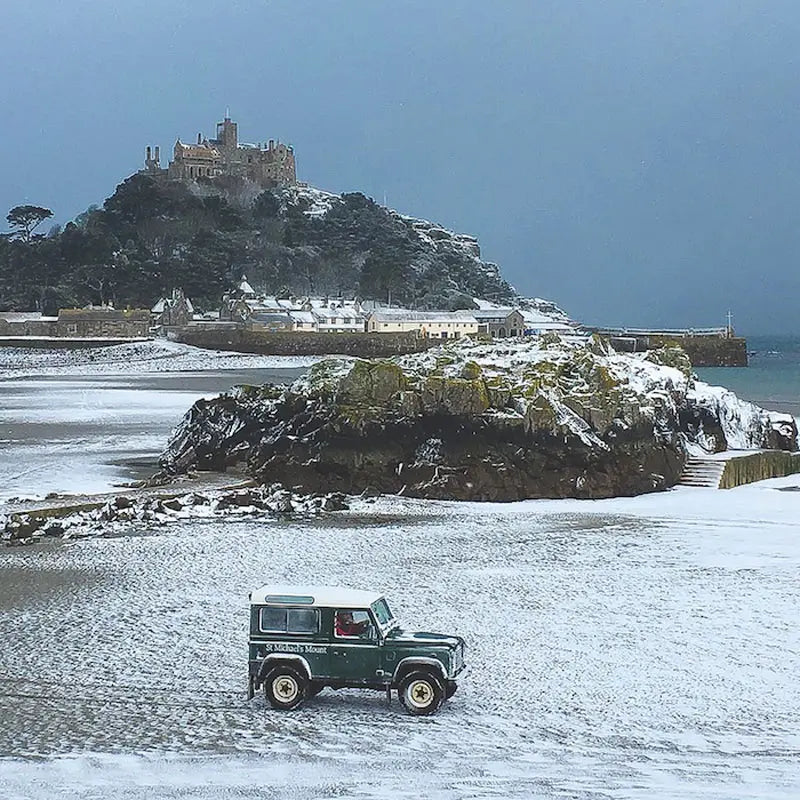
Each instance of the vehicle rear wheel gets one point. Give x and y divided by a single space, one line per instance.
421 693
285 688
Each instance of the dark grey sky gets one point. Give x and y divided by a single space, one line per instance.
635 160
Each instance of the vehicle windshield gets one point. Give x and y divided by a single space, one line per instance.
380 608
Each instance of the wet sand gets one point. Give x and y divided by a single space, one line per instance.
77 434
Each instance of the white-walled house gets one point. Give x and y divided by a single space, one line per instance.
338 318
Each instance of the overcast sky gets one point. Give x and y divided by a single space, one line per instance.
634 160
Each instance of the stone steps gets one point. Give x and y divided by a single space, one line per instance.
703 472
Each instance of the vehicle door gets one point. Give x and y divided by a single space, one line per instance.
355 649
295 631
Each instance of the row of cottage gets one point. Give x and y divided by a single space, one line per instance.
308 315
324 315
343 317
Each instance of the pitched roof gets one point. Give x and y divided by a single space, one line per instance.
492 313
403 315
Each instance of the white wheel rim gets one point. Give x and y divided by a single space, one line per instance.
285 688
420 694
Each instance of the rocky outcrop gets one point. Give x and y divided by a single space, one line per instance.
500 421
117 514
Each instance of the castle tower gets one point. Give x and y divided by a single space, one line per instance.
152 160
228 135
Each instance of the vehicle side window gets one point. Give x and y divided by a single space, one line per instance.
288 620
352 624
272 619
302 620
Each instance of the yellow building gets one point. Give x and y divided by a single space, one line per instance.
430 324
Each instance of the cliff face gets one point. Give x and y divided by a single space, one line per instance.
471 421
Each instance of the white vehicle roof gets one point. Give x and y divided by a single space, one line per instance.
326 596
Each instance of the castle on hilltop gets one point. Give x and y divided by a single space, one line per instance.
268 164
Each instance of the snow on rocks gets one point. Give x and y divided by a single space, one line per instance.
744 426
511 419
120 513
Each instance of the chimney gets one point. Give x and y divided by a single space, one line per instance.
271 144
147 153
158 153
199 138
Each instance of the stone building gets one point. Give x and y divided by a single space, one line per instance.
104 322
173 311
500 322
93 322
268 164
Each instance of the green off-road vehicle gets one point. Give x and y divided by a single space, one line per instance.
303 639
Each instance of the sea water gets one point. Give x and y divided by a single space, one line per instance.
772 379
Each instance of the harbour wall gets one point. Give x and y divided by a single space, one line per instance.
759 467
294 343
703 351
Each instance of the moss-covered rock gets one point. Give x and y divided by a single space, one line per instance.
497 421
371 383
674 356
471 371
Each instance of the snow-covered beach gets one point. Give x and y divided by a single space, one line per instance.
629 648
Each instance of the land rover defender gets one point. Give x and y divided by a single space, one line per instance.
303 639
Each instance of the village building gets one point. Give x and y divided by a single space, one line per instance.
92 322
26 323
337 318
235 309
500 323
304 321
270 321
429 324
173 311
246 291
268 164
104 322
311 315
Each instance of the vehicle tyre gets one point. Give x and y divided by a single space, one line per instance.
450 689
421 693
285 688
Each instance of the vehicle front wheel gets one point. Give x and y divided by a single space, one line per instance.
285 688
421 693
